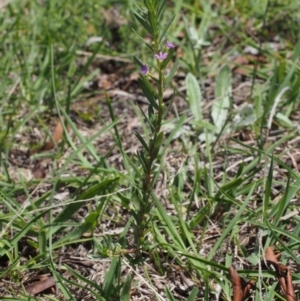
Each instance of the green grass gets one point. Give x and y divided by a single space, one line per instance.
227 180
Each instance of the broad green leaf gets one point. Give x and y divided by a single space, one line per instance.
245 117
222 93
194 96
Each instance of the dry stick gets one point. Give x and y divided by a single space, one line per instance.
283 274
271 258
240 291
249 285
40 286
290 292
236 284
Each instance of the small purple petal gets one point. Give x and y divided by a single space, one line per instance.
144 69
161 56
170 45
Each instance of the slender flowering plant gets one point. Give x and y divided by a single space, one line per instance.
153 88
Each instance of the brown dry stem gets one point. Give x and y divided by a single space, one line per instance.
240 291
283 274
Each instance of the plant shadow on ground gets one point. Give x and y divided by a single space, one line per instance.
227 174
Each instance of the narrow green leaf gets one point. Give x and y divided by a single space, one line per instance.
185 232
280 207
12 267
70 209
143 22
232 223
160 8
150 116
148 45
96 288
148 4
110 276
284 120
159 139
193 294
61 284
167 60
170 104
170 295
268 188
166 28
176 237
125 292
171 74
148 91
194 96
143 142
175 132
21 234
89 224
275 238
152 21
42 239
138 62
291 191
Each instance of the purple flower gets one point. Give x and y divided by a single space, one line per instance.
161 56
144 69
170 45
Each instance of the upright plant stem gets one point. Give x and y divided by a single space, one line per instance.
156 112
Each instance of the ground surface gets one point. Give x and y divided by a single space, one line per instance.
227 200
